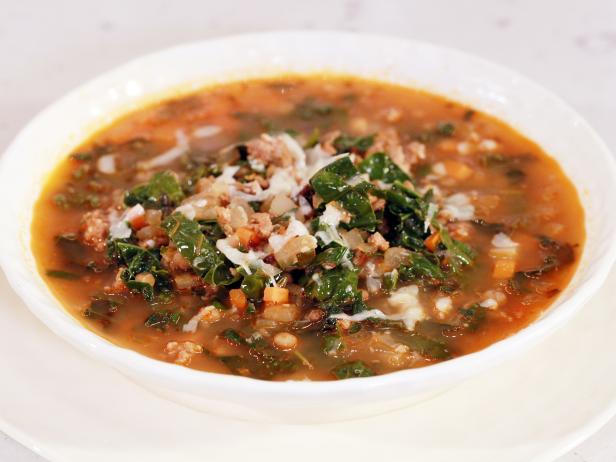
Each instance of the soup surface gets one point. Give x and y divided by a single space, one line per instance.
315 227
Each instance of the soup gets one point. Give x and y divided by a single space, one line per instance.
315 227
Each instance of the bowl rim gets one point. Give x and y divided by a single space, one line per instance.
114 355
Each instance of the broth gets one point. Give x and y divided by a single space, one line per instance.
315 227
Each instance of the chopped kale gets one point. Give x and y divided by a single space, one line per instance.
390 280
162 190
137 261
61 274
332 344
458 254
473 316
75 198
331 183
445 129
442 130
260 359
311 109
101 309
254 284
160 320
332 256
380 167
336 290
192 244
313 139
233 336
352 369
406 212
426 347
82 156
556 255
346 143
422 266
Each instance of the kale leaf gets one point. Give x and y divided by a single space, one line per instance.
337 290
422 266
138 260
331 183
160 320
332 256
352 369
259 358
254 284
380 167
426 346
61 274
192 244
163 189
406 212
458 254
346 143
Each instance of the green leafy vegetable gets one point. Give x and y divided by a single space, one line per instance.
254 284
406 212
332 344
162 319
260 360
426 347
162 190
445 129
233 336
192 244
458 253
331 183
313 139
346 143
357 203
82 156
421 266
352 369
101 309
76 199
380 167
61 274
138 260
336 290
473 316
442 130
311 109
390 280
332 256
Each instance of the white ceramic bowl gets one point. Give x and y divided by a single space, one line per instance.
472 81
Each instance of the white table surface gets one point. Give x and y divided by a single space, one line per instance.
569 46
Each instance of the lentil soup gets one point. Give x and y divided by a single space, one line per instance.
315 227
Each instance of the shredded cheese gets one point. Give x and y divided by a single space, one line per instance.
119 228
180 148
294 228
206 131
458 207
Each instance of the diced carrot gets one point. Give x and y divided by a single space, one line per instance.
432 241
458 170
238 299
247 237
138 222
275 295
503 269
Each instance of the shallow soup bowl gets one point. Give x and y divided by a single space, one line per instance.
525 106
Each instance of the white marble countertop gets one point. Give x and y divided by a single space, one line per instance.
569 46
